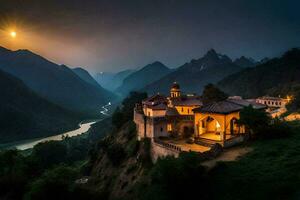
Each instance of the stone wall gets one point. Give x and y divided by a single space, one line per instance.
159 151
138 119
234 141
162 150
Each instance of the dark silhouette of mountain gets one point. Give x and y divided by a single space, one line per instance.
85 75
112 81
278 76
264 60
193 76
56 83
143 77
245 62
24 115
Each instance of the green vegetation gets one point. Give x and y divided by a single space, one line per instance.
50 169
212 94
125 113
279 76
173 178
261 125
270 171
119 164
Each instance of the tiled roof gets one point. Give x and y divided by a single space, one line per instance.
172 112
228 106
222 107
160 106
270 98
244 102
187 101
155 99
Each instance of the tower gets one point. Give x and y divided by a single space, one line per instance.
175 90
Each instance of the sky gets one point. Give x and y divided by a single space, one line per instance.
113 35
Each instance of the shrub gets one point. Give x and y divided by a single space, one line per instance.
277 129
131 131
173 178
116 154
53 184
49 153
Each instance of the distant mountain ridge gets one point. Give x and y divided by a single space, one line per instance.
278 76
24 114
85 75
193 76
57 83
112 81
143 77
245 62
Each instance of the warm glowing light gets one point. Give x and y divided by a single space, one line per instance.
13 34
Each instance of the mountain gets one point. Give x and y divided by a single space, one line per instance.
193 76
24 115
245 62
104 79
112 81
56 83
85 75
278 76
143 77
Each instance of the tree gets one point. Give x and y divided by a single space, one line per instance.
49 153
125 113
53 184
254 120
212 94
118 118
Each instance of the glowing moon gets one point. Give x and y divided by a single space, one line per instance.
13 34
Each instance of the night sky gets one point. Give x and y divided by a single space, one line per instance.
114 35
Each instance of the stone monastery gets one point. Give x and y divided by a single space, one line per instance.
182 123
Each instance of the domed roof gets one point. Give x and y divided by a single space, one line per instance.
175 86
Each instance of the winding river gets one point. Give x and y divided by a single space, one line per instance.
83 127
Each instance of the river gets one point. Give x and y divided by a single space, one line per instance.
83 127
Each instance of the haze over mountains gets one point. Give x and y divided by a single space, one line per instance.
193 76
57 83
143 77
23 114
112 81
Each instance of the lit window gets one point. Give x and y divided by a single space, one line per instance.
169 127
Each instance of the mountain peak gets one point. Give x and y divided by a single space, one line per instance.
211 53
4 50
245 62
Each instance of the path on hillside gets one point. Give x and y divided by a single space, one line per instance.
231 154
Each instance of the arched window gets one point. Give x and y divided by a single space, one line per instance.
161 129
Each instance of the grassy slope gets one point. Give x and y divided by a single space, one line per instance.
271 171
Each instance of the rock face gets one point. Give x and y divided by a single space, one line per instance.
193 76
117 165
57 83
143 77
